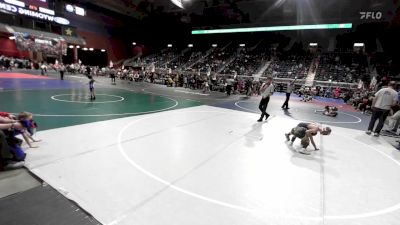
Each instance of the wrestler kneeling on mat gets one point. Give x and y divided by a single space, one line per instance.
331 111
306 131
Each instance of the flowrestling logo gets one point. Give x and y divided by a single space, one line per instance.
371 15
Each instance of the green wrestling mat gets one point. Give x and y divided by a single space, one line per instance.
66 107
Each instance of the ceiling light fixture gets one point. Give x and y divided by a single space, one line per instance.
178 3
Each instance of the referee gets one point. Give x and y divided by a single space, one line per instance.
289 90
267 89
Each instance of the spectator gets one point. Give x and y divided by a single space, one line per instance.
383 101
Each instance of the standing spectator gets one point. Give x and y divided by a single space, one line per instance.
88 71
185 82
43 69
383 101
248 87
112 75
267 89
229 83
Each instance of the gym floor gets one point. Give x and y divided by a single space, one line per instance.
150 154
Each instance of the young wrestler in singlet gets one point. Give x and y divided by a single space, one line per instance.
329 111
306 132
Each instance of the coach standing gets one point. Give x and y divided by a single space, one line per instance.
267 89
383 101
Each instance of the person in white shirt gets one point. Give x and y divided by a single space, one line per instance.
267 89
383 101
289 90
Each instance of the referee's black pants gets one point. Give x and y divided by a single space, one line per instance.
286 104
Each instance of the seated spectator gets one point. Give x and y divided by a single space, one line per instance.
10 145
26 120
394 120
366 104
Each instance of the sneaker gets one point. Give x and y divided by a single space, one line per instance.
259 120
266 117
14 165
376 134
287 137
305 151
368 132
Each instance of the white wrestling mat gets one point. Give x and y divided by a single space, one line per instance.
213 166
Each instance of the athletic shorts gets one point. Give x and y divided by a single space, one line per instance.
299 132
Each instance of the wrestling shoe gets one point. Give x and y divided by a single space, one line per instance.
305 151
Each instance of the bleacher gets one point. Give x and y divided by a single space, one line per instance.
231 59
290 67
341 67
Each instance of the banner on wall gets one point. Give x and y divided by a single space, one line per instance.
48 46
